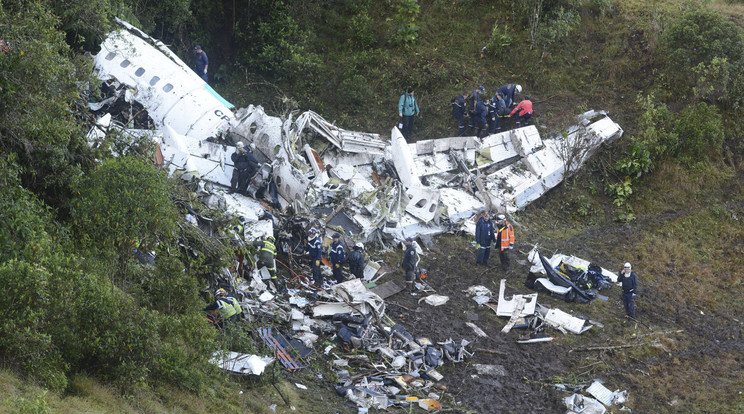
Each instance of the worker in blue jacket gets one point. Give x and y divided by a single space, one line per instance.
315 249
481 114
356 261
629 281
496 108
484 236
459 105
337 256
508 92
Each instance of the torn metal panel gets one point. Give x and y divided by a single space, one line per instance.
370 270
601 393
460 204
506 307
241 364
496 148
526 140
403 160
349 141
265 132
290 182
422 203
355 292
170 91
558 318
329 309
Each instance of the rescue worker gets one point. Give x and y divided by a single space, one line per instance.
337 256
484 236
498 106
315 249
481 114
244 166
504 241
508 91
523 111
629 281
356 261
201 63
459 103
410 259
472 104
226 305
407 109
266 255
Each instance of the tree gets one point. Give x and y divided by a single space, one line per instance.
122 203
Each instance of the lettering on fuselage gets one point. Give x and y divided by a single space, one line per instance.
221 115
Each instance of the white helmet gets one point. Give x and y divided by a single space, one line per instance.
359 245
501 217
239 145
519 88
627 266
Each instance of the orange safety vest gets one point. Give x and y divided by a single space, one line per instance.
507 236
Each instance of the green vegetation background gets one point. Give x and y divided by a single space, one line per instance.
80 315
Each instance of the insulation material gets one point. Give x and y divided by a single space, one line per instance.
241 364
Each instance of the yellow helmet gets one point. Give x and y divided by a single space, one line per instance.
220 293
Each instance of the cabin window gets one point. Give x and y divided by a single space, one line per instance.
125 63
168 87
111 56
140 72
154 80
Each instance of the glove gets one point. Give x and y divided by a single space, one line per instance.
205 71
634 295
337 265
317 263
478 246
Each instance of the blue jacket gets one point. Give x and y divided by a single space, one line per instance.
201 62
484 233
481 111
337 252
314 248
356 262
508 91
407 105
630 283
458 106
409 259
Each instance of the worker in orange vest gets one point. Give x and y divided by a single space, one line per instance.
504 241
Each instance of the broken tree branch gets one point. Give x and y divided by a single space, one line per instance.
492 351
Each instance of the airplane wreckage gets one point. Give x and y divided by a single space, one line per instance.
364 186
370 188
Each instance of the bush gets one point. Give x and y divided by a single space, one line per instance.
700 41
122 203
700 131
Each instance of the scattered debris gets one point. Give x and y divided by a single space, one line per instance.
435 300
577 403
241 364
478 331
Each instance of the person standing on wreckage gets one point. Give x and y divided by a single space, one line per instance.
484 236
315 249
410 259
337 256
504 241
356 261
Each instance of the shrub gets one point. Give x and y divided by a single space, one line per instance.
121 203
405 18
700 131
695 41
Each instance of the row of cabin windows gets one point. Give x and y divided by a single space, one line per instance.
139 72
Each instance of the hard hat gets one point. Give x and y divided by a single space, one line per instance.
239 145
527 97
312 230
519 88
271 238
409 239
220 293
359 245
501 217
336 236
627 266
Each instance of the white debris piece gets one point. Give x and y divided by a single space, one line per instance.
560 319
506 307
577 403
435 300
478 331
241 364
556 260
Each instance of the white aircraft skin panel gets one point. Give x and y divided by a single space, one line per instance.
170 91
